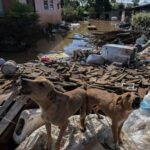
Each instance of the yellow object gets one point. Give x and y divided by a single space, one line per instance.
54 56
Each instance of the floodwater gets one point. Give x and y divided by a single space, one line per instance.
66 42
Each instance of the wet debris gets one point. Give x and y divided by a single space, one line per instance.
117 77
67 76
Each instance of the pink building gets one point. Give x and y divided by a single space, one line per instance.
49 10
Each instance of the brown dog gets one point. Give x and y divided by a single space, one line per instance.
117 107
56 107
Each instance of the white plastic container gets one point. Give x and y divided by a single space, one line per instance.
9 67
29 121
114 18
118 53
95 59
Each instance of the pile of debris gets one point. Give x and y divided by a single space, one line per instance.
66 76
115 37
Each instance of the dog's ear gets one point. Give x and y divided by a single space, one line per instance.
119 100
57 97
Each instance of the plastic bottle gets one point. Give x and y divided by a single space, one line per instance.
145 105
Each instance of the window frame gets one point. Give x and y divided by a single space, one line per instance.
51 4
45 2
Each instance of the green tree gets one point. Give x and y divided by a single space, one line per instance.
135 2
121 6
20 29
141 20
114 6
107 5
72 10
102 5
77 7
83 2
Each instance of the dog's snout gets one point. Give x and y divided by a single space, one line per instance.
137 99
136 102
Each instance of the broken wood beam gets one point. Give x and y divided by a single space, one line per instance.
7 119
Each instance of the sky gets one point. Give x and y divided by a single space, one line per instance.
129 1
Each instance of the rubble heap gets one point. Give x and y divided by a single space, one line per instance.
67 76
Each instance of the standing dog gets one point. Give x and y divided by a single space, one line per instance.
117 107
56 107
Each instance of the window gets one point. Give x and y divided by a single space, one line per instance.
45 4
51 4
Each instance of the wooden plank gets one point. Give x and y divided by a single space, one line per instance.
5 84
11 114
142 92
4 97
8 103
71 69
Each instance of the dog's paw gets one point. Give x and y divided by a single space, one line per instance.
47 146
116 146
57 147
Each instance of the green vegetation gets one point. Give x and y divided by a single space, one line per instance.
141 20
135 2
119 6
73 10
73 13
76 9
19 29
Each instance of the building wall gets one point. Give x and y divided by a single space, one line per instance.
22 1
1 9
108 15
47 15
7 4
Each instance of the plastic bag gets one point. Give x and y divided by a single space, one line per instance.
145 105
141 40
137 128
53 56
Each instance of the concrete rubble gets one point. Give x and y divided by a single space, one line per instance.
116 77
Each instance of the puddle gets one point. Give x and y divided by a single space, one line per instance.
79 43
60 42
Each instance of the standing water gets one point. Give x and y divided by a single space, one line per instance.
72 40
